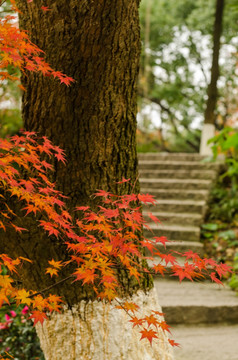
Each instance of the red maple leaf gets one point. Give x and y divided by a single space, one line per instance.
154 218
38 316
102 193
18 229
45 8
164 326
158 313
151 320
123 181
66 80
148 334
168 258
215 279
136 321
82 208
146 199
186 271
223 269
109 213
159 268
173 343
161 239
149 245
191 255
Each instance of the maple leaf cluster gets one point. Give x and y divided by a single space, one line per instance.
100 241
18 52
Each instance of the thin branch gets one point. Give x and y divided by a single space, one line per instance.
43 290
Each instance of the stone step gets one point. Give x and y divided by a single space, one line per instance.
178 174
175 232
176 165
179 206
193 184
176 194
180 260
196 303
171 156
176 218
180 246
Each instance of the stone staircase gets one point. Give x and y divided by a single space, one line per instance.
181 184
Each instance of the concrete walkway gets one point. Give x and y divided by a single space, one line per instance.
203 316
210 342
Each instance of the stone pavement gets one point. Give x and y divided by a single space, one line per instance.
203 316
206 342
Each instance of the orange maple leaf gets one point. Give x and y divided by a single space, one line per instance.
136 321
51 271
56 264
148 334
151 320
129 306
173 343
38 316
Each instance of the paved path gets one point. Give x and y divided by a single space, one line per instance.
197 312
210 342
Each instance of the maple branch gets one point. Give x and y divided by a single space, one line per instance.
123 307
42 291
134 183
51 286
158 273
2 2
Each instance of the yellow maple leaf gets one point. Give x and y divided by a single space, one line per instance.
23 296
51 271
55 264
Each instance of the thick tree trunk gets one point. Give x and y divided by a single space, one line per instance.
210 115
94 121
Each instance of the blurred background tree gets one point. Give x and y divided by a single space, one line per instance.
177 39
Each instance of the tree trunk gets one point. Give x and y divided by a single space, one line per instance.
210 115
96 331
94 121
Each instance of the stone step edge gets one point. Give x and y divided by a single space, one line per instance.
192 191
201 314
182 162
173 181
174 243
179 202
158 171
165 214
174 227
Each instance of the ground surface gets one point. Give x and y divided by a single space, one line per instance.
209 342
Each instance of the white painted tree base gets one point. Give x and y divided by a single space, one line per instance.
97 331
208 131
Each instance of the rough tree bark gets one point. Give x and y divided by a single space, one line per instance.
210 114
94 120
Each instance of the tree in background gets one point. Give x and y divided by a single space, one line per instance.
208 130
180 52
